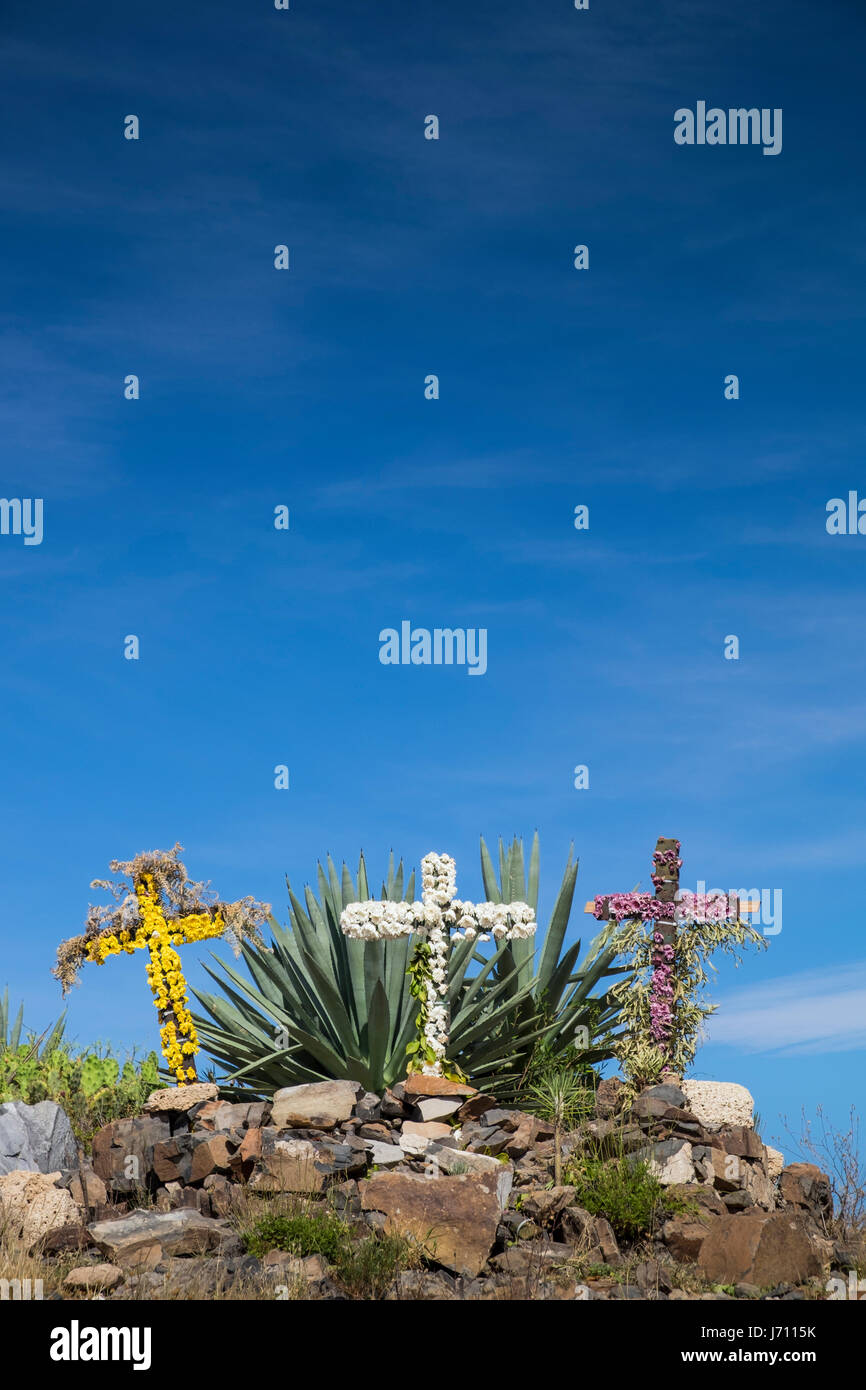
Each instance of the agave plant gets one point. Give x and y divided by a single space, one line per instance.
318 1004
10 1033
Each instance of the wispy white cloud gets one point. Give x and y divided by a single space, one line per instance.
811 1012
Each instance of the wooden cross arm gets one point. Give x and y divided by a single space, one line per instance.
741 907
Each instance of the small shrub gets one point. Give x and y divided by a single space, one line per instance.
318 1233
620 1189
367 1268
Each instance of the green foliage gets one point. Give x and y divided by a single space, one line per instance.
317 1233
363 1265
643 1061
92 1090
319 1004
621 1189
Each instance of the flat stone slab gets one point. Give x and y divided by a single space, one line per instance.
94 1277
435 1086
179 1099
316 1105
145 1237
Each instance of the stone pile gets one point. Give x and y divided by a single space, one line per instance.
468 1179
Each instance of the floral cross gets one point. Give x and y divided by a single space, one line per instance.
158 908
435 919
665 909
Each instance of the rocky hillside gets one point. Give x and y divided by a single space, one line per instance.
432 1186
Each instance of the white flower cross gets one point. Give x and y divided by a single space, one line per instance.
434 918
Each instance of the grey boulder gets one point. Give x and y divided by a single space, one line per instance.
35 1138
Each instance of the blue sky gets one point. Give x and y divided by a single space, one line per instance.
558 387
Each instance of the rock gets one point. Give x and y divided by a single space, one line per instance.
429 1286
218 1115
287 1165
576 1225
436 1108
756 1247
804 1185
648 1107
94 1277
609 1097
63 1239
456 1161
667 1092
391 1107
775 1162
530 1257
716 1104
146 1237
368 1107
669 1160
523 1137
316 1105
545 1205
179 1099
415 1086
32 1205
743 1142
35 1138
383 1134
123 1150
475 1106
415 1145
739 1200
455 1219
87 1189
500 1119
385 1155
756 1183
212 1156
707 1201
425 1129
603 1236
684 1238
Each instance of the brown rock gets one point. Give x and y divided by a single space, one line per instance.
212 1156
684 1238
123 1150
606 1240
86 1188
434 1086
426 1129
64 1239
743 1142
762 1248
475 1107
609 1097
545 1205
287 1165
455 1219
94 1277
804 1185
698 1195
